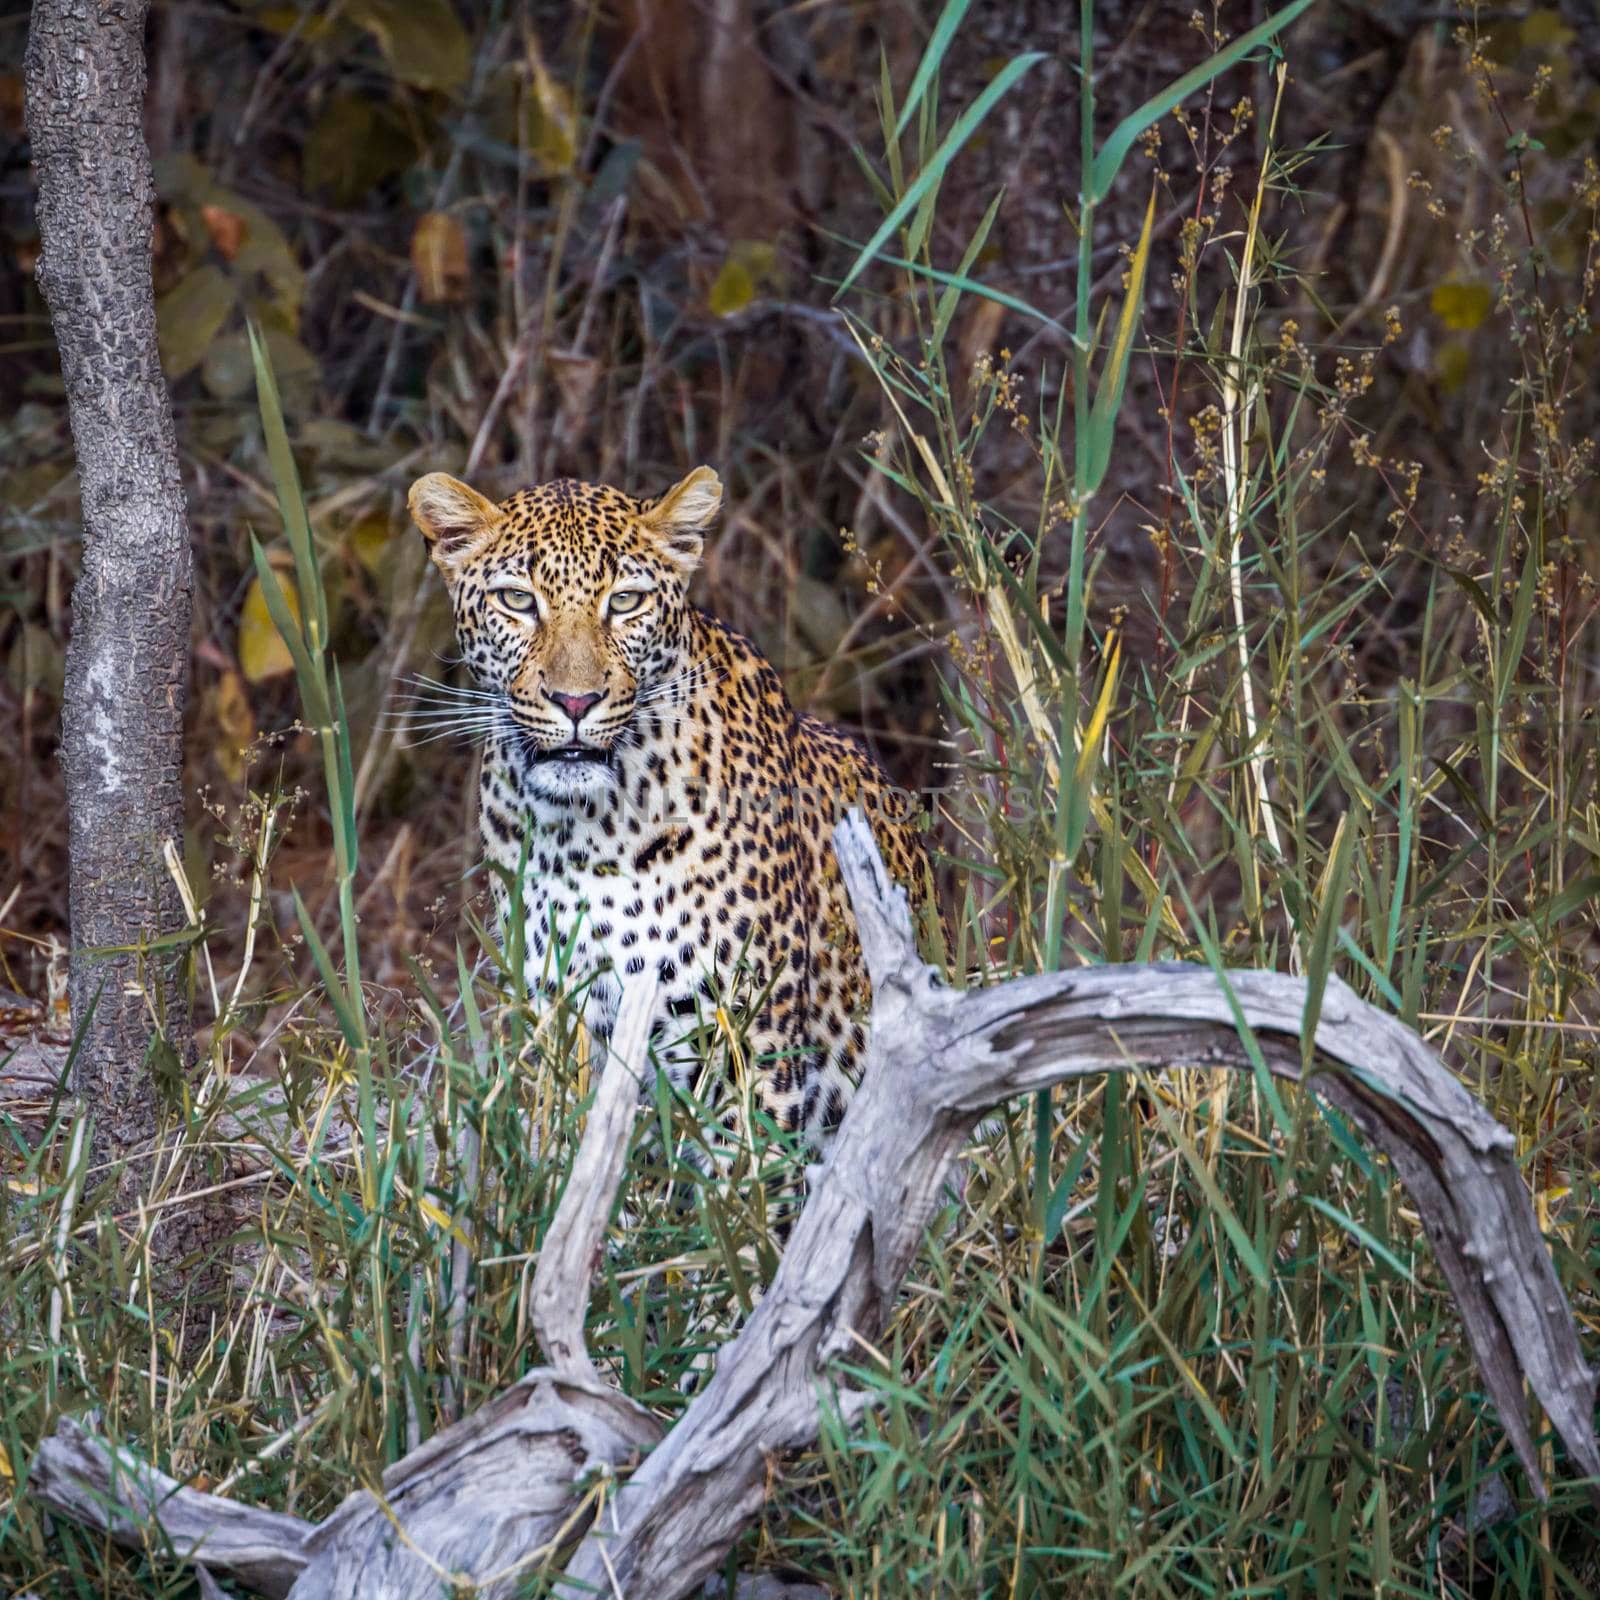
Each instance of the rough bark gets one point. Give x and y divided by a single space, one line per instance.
127 667
514 1482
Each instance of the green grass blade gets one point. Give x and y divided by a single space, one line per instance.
1108 396
313 689
1364 1236
1319 961
350 1023
965 126
944 30
291 499
1108 163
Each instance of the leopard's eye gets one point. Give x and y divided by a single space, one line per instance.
625 602
514 599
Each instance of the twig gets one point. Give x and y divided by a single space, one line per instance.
1236 480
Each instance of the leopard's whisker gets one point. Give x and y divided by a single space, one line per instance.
415 736
457 723
435 719
452 691
429 708
466 709
680 685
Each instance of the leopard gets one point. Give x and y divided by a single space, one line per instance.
649 785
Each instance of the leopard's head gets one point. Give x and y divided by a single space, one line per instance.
572 610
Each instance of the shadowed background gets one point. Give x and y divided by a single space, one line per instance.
601 241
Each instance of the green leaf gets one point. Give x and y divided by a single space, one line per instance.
423 39
1554 910
286 619
1370 967
350 1024
1319 962
1473 590
1521 615
1115 150
1217 1201
339 152
959 280
263 650
966 125
1361 1235
291 501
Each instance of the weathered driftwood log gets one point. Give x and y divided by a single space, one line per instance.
939 1060
491 1494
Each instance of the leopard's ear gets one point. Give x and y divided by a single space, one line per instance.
454 519
680 517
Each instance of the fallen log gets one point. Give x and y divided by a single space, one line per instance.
513 1485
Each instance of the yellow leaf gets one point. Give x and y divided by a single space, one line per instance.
355 143
439 257
733 290
1452 365
235 723
1092 735
292 19
37 661
6 1470
1546 27
190 315
369 541
750 264
262 652
1461 306
442 1219
549 122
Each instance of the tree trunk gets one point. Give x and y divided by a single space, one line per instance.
127 670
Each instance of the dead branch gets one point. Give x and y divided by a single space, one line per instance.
83 1476
503 1488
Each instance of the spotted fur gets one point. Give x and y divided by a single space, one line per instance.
676 810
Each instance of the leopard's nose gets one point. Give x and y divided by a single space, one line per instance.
575 705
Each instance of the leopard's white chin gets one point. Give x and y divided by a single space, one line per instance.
565 782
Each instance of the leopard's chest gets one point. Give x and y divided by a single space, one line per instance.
605 902
690 867
594 920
